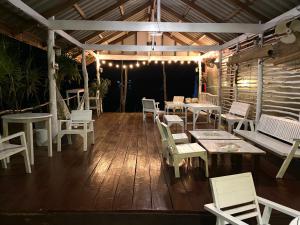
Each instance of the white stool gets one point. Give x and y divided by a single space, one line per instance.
173 119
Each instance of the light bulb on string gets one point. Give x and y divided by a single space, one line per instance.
117 66
169 61
144 62
103 62
156 62
130 66
110 64
189 62
162 62
181 62
137 64
124 66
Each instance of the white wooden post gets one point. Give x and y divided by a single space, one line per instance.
52 82
86 81
200 77
98 77
220 79
236 67
259 84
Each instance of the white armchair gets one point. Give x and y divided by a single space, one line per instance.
80 123
150 106
235 200
7 149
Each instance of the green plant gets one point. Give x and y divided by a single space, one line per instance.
103 87
68 70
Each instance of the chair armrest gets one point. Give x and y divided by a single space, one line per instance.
225 216
296 139
19 134
278 207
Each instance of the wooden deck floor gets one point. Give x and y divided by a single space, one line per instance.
124 171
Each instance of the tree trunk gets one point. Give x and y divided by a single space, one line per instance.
86 81
124 81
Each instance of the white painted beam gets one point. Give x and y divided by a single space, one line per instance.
148 58
147 48
156 26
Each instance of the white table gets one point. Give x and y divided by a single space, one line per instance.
196 108
209 134
173 105
74 91
173 119
27 119
221 147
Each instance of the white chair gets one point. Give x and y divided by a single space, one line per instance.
178 152
176 104
7 149
80 123
95 102
150 106
235 200
179 138
237 112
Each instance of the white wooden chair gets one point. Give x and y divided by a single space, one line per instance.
179 138
150 106
80 123
7 149
95 102
278 135
237 112
175 104
178 152
235 200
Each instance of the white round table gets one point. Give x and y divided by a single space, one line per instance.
295 221
28 119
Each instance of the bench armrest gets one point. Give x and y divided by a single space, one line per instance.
278 207
244 121
224 216
19 134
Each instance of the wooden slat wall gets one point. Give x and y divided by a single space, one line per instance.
247 85
227 83
282 89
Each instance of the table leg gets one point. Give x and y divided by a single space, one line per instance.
78 99
5 134
29 139
194 122
49 129
185 118
219 125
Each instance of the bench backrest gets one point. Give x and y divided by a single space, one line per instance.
170 140
208 98
148 105
178 99
81 115
240 109
278 127
159 126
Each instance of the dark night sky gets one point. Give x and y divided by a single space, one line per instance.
147 81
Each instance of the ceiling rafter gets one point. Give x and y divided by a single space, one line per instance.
174 38
80 11
202 11
119 39
183 19
125 17
51 12
248 10
190 37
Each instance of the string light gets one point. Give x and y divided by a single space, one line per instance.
181 62
103 61
130 66
110 64
156 62
137 64
144 62
124 66
169 61
117 66
163 62
175 61
189 62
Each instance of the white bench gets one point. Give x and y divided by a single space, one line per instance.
277 134
237 112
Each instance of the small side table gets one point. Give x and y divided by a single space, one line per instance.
174 119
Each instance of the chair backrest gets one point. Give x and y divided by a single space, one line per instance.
170 140
178 99
148 104
240 109
81 115
235 194
208 98
188 100
159 126
195 100
278 127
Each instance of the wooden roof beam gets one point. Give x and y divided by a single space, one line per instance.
248 10
190 37
183 19
202 11
80 11
177 40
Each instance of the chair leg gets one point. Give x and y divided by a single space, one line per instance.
4 164
206 166
69 137
93 137
59 142
84 142
26 161
176 167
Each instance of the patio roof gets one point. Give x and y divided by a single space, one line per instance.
21 26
